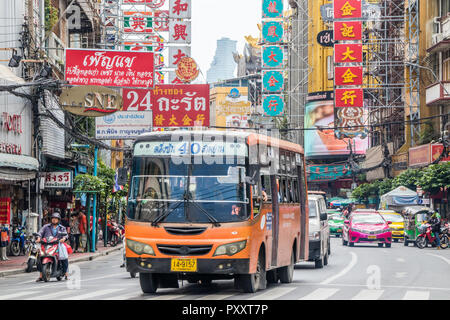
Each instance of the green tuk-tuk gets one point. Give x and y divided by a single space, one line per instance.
414 216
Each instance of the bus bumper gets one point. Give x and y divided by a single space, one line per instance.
204 266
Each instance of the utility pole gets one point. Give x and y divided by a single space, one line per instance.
94 211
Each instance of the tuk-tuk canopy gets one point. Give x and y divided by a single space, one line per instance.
413 210
400 196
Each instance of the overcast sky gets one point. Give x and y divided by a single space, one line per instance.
214 19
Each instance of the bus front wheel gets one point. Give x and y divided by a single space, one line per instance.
250 283
149 282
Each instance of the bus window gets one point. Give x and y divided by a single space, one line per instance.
265 182
282 163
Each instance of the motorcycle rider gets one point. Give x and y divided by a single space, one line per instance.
54 229
435 222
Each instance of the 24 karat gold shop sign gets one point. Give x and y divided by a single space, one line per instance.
91 101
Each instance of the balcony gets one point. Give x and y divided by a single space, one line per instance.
441 41
438 94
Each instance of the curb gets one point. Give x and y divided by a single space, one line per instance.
75 260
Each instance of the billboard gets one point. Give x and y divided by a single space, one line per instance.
319 114
231 106
109 68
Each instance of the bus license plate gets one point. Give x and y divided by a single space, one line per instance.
184 265
372 237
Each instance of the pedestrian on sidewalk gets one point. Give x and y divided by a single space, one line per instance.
4 241
75 231
83 229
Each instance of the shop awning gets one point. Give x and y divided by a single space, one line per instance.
18 162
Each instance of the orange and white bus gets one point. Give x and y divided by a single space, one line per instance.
207 205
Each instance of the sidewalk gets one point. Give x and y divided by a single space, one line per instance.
17 264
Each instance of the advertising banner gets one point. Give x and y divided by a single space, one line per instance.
328 172
272 31
319 114
273 81
58 179
273 57
272 9
180 32
180 9
5 210
347 30
180 105
349 97
348 76
348 53
344 9
124 125
109 68
230 104
150 3
273 105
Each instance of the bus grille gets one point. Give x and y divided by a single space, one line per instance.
184 250
183 231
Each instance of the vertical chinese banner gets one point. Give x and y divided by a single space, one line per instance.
5 210
273 57
348 71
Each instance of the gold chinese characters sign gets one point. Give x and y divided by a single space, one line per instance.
91 101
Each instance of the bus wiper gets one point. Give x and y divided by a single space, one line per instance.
167 212
214 221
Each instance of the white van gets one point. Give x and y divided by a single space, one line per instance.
319 231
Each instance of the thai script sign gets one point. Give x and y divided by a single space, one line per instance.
328 172
58 179
124 125
195 148
109 68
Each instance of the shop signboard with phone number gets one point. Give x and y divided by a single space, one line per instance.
58 179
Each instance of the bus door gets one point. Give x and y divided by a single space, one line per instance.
275 218
304 242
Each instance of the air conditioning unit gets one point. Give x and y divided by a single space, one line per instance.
436 38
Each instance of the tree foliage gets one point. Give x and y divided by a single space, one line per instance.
435 177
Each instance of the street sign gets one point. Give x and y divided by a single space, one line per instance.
123 125
273 81
273 57
272 9
58 179
273 105
272 31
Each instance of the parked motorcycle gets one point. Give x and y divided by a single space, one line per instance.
426 237
18 241
117 233
33 252
49 258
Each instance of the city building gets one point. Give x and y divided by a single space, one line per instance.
223 65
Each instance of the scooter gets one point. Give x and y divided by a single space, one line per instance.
33 251
117 233
425 237
444 236
49 258
18 241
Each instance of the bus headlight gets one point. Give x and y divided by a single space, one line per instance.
230 249
140 248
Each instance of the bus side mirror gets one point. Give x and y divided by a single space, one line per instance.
122 176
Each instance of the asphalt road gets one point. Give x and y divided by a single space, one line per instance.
363 272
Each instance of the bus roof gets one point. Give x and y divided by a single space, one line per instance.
252 137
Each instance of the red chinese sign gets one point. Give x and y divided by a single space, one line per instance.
172 105
348 53
344 9
349 97
348 76
110 68
347 30
5 210
187 70
180 105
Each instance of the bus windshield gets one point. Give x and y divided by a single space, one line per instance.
187 193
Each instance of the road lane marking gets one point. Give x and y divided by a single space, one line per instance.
17 295
368 294
400 275
400 260
93 294
167 297
440 257
126 296
215 297
52 295
416 295
273 294
344 271
320 294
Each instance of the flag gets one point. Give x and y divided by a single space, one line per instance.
116 186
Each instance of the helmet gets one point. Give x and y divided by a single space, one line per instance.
56 215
